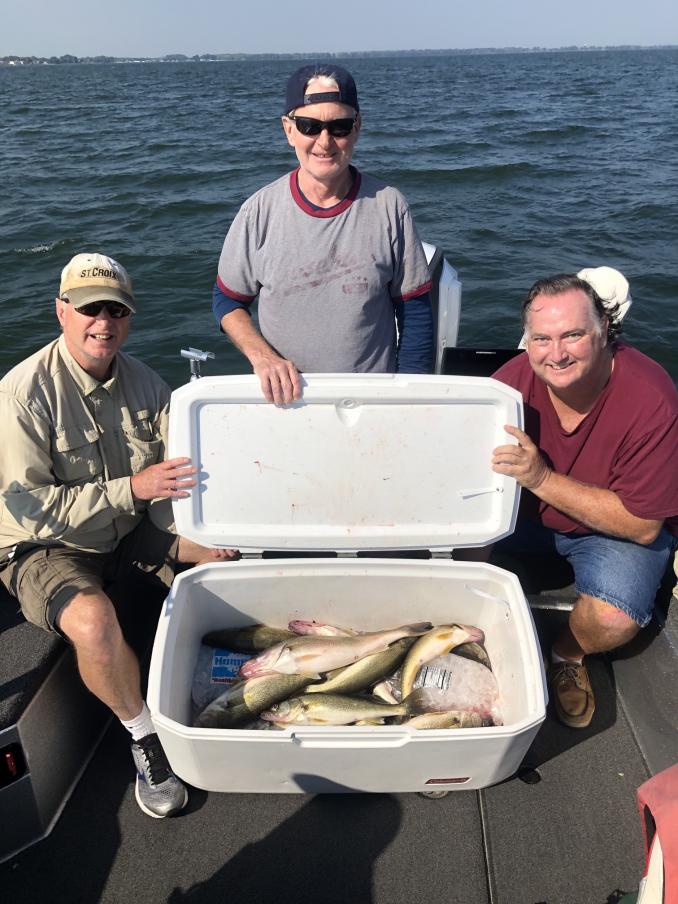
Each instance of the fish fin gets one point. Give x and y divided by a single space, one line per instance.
417 628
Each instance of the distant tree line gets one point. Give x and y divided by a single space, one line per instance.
67 58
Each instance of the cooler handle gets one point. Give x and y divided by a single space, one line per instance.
351 738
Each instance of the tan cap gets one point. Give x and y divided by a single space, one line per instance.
96 277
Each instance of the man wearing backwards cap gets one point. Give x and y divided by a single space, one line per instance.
598 456
331 253
83 485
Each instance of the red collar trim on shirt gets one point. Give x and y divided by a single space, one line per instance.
323 213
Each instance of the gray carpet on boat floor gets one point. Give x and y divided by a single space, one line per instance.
575 835
572 838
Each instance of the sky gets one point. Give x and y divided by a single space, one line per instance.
157 27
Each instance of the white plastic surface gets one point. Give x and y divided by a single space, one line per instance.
449 311
365 594
360 462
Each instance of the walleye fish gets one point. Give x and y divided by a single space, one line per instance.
436 642
475 652
312 656
251 639
243 701
331 709
453 719
318 629
362 674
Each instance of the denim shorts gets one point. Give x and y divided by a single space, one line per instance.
619 572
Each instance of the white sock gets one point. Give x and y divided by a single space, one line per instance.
141 725
556 658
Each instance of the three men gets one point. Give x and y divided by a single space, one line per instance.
598 457
84 496
332 255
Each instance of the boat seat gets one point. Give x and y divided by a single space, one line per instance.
50 724
27 655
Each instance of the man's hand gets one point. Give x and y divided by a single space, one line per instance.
221 555
167 479
192 553
523 462
279 378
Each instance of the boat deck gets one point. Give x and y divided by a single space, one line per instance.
565 830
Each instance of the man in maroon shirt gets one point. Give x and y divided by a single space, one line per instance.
598 457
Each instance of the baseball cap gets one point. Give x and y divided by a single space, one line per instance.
295 93
611 286
96 277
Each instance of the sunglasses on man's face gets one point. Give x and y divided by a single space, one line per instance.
115 309
337 128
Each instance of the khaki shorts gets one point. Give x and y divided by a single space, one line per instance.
45 578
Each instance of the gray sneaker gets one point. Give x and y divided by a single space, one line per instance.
158 791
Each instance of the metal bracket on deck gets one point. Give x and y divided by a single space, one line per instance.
195 356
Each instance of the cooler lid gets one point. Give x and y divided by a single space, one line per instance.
361 462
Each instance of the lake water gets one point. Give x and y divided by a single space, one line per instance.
516 165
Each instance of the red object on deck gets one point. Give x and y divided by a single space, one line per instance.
658 805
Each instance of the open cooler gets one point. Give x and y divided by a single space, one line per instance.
363 463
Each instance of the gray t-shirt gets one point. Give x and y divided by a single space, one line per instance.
327 279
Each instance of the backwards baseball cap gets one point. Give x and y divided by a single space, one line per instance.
96 277
345 93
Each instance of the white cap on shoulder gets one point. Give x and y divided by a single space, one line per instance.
611 286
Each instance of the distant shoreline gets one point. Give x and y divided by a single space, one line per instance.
66 59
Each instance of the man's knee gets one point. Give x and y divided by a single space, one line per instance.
89 621
600 626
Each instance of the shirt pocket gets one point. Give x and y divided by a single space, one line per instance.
144 446
76 456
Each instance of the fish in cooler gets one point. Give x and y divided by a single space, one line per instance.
435 642
332 709
312 656
401 667
244 700
250 639
360 675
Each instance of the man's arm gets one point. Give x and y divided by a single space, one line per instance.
40 506
415 335
593 507
44 509
280 380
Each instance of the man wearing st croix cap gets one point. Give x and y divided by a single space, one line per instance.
331 254
84 496
599 459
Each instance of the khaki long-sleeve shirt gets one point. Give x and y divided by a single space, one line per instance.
69 446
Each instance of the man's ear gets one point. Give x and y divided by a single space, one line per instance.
288 125
60 310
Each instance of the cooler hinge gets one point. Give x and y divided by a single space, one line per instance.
441 553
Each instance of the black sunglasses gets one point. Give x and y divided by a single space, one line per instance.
337 128
116 309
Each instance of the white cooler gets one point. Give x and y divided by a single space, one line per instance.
362 463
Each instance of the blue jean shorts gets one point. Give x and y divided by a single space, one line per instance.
619 572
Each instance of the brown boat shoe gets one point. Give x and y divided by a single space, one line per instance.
572 693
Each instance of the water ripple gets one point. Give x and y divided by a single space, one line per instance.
517 165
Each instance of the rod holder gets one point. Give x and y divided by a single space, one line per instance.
195 356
